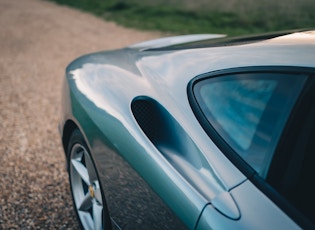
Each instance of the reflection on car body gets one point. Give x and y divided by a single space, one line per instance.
193 132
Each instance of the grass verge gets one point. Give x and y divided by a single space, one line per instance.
178 20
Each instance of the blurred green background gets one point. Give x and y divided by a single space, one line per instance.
232 17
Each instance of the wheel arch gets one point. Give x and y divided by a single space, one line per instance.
68 128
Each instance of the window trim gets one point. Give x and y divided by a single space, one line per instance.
240 163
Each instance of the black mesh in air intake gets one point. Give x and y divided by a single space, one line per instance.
149 116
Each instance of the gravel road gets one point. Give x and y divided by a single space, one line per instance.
37 40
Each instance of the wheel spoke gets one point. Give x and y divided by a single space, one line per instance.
97 215
98 195
81 170
86 203
90 168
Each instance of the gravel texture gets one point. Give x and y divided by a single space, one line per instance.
37 40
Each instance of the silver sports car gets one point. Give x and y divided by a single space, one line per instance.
193 132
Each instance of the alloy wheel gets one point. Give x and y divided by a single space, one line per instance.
86 189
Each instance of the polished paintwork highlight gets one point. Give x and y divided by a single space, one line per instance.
146 183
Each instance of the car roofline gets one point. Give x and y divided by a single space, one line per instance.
224 41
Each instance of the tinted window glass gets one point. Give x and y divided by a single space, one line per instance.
249 111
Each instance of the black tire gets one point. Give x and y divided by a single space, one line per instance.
87 193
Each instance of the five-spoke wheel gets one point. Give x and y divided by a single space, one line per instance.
85 185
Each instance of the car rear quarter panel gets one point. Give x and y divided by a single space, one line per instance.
114 139
131 201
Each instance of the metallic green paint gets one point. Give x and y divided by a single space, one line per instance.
102 87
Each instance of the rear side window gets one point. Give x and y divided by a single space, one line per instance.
249 111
